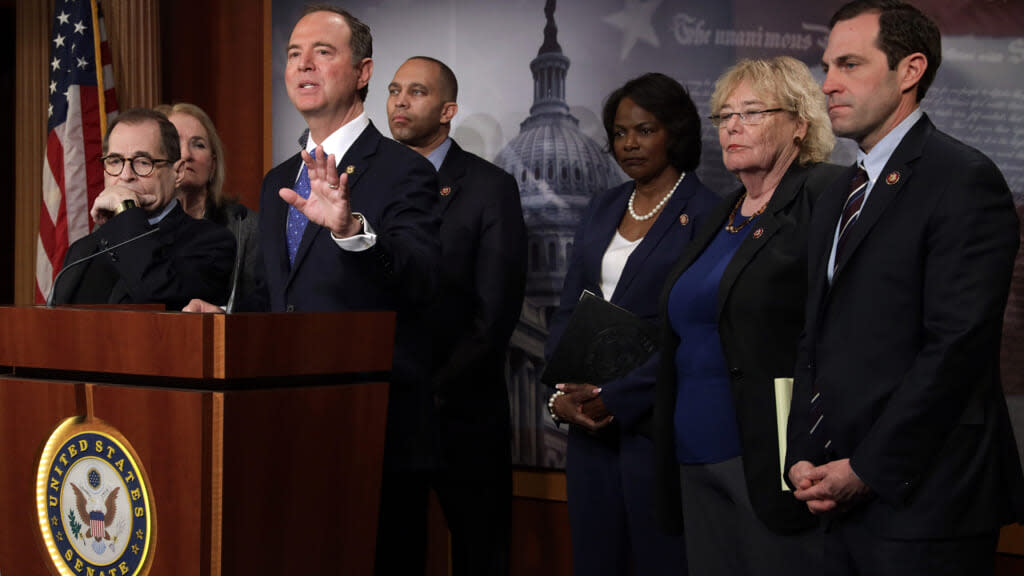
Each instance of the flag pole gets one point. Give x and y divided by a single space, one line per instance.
100 88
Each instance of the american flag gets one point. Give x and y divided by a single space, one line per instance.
97 526
81 101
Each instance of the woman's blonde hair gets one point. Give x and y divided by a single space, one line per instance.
789 82
216 184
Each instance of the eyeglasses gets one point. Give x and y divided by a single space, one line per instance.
142 165
748 118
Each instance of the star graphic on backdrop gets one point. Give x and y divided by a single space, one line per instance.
79 27
635 22
82 63
58 41
55 64
63 17
53 86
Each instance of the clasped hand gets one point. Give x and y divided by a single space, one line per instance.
582 406
328 202
831 487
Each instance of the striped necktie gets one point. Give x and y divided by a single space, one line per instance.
851 211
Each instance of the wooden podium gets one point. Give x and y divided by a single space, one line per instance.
262 434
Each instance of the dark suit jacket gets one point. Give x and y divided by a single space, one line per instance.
630 397
395 189
904 345
186 259
761 301
483 277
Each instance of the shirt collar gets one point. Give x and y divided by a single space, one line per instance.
341 139
438 155
154 220
874 162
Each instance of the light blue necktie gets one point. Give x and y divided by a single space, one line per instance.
297 220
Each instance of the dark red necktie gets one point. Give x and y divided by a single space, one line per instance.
851 211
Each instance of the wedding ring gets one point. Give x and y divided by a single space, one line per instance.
332 186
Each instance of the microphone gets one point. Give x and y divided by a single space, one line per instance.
53 289
236 269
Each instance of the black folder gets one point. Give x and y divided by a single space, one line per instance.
601 342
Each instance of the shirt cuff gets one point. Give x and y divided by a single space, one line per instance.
359 242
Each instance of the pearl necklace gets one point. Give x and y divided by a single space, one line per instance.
657 207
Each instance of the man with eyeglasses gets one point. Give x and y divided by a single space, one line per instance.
155 253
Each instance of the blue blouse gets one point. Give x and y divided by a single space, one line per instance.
705 418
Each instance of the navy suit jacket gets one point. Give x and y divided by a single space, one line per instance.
483 277
903 346
760 311
395 190
631 397
186 259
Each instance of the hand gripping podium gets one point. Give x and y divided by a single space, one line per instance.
261 437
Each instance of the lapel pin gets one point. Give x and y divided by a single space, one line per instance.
759 232
446 190
350 169
892 178
684 219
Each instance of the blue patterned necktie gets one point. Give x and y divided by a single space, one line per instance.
297 220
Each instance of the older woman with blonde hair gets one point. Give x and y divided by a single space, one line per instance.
200 186
733 309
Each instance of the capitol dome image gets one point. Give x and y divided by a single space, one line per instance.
558 169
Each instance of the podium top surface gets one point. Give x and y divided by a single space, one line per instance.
187 346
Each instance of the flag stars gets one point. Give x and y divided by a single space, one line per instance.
82 63
58 41
53 86
636 22
79 27
49 111
63 17
74 47
67 94
55 65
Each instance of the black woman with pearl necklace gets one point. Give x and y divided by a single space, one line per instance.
629 238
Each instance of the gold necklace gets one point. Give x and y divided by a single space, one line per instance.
732 215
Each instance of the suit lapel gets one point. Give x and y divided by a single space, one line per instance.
705 234
890 182
69 282
606 221
765 228
354 163
666 221
450 176
120 293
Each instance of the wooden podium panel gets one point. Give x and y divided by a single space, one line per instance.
28 413
262 435
289 485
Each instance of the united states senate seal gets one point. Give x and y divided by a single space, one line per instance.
93 502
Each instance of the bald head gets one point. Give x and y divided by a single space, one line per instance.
421 103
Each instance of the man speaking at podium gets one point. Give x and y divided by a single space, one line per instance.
145 249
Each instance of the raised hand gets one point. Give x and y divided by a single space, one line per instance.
328 202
